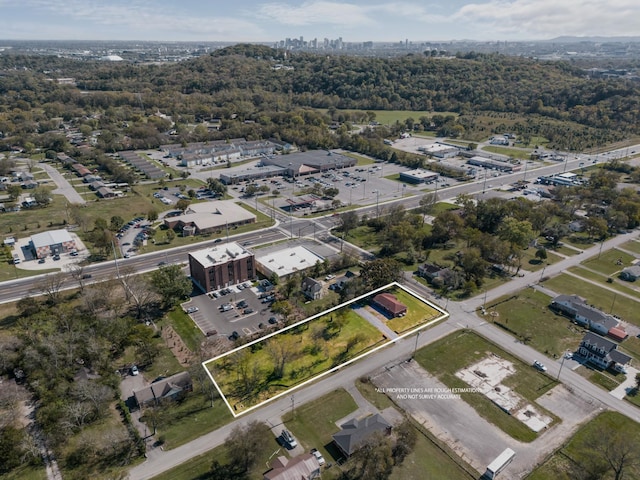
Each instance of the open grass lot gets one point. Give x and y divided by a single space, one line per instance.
618 285
631 346
198 467
602 299
526 315
368 391
448 355
511 152
418 312
268 367
631 246
361 159
609 262
578 450
313 423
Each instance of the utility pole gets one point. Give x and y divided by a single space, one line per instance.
415 348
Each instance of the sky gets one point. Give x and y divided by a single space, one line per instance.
353 20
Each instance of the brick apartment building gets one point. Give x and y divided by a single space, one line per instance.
221 266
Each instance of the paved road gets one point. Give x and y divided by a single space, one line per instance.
462 316
64 187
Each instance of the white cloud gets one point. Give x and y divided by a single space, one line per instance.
316 12
549 18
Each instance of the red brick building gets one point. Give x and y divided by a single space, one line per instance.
389 304
221 266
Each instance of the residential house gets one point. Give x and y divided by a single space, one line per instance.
583 314
170 388
602 352
356 431
389 304
430 271
312 288
302 467
631 274
29 184
341 281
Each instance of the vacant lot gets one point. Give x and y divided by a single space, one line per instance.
586 453
271 366
448 355
527 316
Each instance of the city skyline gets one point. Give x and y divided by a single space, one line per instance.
354 21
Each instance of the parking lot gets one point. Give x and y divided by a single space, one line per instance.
233 312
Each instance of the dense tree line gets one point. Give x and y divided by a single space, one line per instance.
239 86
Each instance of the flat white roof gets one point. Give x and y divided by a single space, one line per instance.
52 237
567 175
436 147
420 173
220 254
214 214
290 260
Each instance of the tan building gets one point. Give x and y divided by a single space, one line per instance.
220 266
209 217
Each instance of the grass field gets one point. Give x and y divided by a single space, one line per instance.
579 452
605 300
511 152
609 262
448 355
631 246
198 467
616 284
259 372
526 315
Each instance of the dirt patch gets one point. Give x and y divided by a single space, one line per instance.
177 346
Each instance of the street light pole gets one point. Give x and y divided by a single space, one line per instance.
561 365
415 348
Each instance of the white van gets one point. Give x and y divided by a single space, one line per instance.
16 259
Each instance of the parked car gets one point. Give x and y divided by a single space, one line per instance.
42 260
56 257
86 275
539 366
192 309
273 320
134 370
288 439
318 455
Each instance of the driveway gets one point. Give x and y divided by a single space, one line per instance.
64 187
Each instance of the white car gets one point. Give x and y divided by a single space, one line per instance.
192 309
134 371
318 455
539 366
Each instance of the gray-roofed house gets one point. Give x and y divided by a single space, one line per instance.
311 288
356 431
590 317
602 352
170 388
631 273
302 467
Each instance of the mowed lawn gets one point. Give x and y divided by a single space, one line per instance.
578 451
603 299
418 312
631 246
456 351
248 377
609 262
526 315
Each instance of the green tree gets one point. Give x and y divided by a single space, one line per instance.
14 191
182 204
541 254
152 215
380 272
170 283
116 223
216 186
249 444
